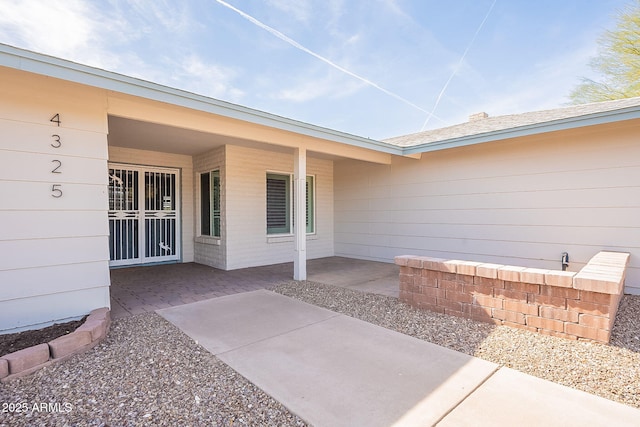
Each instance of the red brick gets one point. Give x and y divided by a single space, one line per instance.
522 287
406 297
589 308
415 262
533 275
446 266
494 283
542 323
476 310
596 297
521 307
68 344
459 297
463 278
554 291
478 289
4 368
28 358
582 331
498 313
430 278
409 287
406 279
426 282
510 272
96 328
559 314
609 284
467 268
548 301
519 326
514 295
450 285
562 279
419 300
451 305
407 271
402 260
99 314
487 319
487 301
490 271
510 316
598 322
447 276
431 263
434 292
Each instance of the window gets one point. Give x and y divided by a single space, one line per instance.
309 205
279 204
210 204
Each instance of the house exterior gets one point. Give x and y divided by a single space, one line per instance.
100 170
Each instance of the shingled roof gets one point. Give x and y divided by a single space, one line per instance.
501 127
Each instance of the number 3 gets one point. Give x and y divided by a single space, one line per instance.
58 141
56 191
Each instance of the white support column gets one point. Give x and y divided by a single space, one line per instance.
300 217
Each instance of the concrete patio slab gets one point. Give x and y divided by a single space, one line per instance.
511 398
331 369
142 289
226 323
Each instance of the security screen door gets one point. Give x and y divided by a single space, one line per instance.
143 215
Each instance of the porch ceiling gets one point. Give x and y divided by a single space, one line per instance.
142 135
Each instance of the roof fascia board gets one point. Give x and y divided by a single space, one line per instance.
49 66
593 119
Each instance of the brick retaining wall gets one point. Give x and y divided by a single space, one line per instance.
26 361
566 304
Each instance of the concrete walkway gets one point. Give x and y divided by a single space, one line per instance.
333 370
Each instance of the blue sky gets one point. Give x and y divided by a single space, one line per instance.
374 68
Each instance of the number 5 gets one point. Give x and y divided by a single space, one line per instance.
56 191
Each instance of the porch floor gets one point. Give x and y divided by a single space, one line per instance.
148 288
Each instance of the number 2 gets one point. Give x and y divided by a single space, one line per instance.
55 170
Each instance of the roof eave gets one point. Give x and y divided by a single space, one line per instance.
593 119
49 66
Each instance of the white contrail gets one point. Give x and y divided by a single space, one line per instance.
297 45
457 67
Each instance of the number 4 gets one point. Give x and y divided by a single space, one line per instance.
56 119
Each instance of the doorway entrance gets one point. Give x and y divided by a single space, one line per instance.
143 214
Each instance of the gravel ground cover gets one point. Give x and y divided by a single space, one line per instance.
610 371
147 372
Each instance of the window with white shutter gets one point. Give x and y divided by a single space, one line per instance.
280 204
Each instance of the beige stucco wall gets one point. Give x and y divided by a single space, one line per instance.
245 186
54 262
185 165
518 202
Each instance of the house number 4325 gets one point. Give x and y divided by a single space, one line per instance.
56 189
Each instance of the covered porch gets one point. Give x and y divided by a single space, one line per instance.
142 289
230 189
